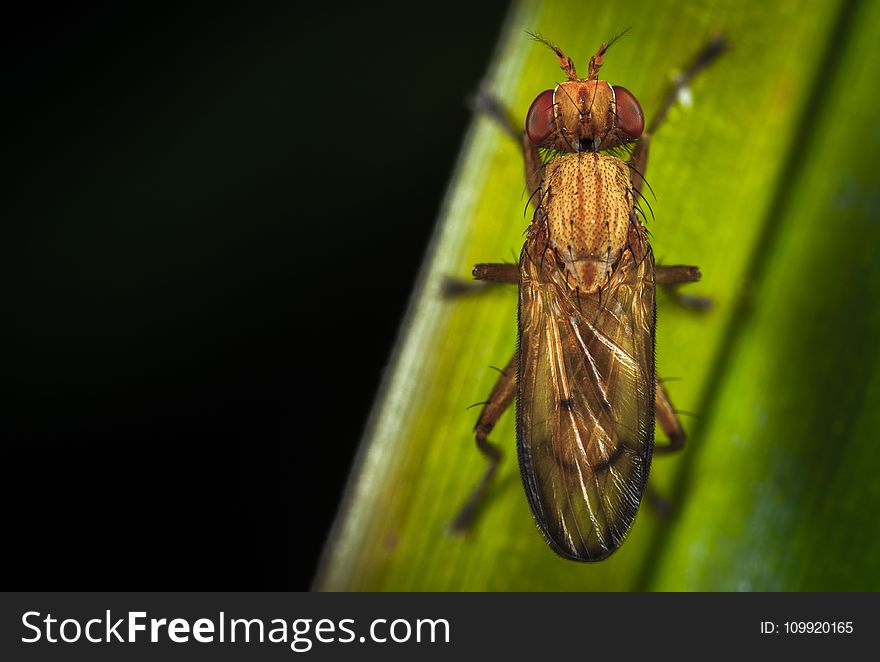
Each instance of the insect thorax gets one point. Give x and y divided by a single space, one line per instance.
586 208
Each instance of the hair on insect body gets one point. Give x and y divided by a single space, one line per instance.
583 375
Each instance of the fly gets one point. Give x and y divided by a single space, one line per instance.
584 374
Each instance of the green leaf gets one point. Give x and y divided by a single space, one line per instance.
762 180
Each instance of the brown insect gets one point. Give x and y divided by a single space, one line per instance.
583 375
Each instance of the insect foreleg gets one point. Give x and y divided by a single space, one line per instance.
484 103
499 400
639 161
710 52
534 167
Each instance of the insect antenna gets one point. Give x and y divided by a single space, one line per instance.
619 35
596 60
565 62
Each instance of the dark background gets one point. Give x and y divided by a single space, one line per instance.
212 223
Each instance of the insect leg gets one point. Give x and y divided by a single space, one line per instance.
488 274
668 420
534 167
499 400
658 502
676 275
499 273
671 276
534 170
710 52
639 161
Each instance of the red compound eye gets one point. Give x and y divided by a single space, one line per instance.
630 118
541 120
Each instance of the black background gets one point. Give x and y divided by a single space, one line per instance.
212 223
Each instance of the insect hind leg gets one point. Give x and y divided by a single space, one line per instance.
499 400
671 426
668 420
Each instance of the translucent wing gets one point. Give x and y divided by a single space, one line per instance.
585 405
